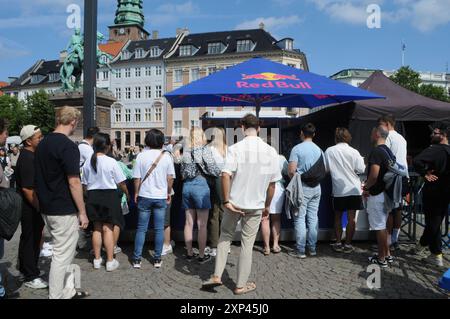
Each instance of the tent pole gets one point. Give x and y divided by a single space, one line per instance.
258 108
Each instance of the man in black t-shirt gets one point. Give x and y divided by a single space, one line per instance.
378 163
60 194
32 223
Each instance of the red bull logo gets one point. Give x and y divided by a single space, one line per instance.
272 80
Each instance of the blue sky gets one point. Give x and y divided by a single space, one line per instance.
333 33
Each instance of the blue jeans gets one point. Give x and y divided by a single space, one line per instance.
2 250
145 207
308 213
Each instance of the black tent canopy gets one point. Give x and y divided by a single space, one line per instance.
412 111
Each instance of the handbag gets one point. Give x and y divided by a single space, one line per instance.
151 169
10 212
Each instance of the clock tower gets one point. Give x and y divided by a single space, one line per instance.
129 22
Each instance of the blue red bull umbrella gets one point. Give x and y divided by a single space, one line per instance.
262 83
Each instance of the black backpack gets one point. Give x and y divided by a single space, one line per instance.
10 212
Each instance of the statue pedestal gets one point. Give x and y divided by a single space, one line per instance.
75 99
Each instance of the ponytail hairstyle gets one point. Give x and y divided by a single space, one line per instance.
102 144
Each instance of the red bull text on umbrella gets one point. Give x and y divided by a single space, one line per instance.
272 80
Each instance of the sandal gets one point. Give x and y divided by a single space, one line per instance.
276 250
80 295
250 286
211 283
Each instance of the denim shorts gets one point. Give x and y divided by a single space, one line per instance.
196 194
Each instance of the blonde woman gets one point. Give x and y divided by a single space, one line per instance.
196 166
219 150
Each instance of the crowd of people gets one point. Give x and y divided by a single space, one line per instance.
79 192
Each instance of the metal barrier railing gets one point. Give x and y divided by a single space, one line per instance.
413 214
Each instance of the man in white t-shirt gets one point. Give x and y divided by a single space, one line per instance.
398 145
152 193
85 147
248 180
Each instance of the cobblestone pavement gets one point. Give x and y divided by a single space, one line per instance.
329 275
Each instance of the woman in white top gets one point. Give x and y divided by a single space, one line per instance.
344 164
100 176
276 208
219 150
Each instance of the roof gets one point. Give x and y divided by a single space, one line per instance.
404 104
262 39
112 48
43 68
164 44
2 84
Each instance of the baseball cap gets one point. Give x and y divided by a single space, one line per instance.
27 132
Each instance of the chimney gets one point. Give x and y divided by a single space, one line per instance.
155 35
62 56
262 26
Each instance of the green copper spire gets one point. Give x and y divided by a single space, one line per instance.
129 12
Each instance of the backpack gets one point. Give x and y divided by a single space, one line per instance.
10 212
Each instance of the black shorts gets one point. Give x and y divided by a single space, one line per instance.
347 203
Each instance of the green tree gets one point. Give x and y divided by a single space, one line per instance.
41 111
434 92
408 78
14 111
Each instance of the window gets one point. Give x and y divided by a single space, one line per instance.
127 138
148 92
137 138
194 123
215 48
178 76
148 71
118 115
139 53
105 75
154 52
195 74
137 115
104 59
128 72
118 93
128 93
118 73
137 92
177 127
138 72
36 78
148 115
289 45
211 70
158 70
244 45
158 91
127 115
158 112
125 55
186 50
292 65
53 77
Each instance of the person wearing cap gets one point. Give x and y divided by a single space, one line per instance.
31 221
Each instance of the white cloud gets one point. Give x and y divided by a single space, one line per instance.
424 15
271 23
10 49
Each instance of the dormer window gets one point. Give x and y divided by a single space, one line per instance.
245 46
36 78
104 59
155 52
126 55
286 44
139 53
186 50
53 77
215 48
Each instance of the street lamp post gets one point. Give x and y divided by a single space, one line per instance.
90 63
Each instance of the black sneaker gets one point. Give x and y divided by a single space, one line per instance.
157 263
390 259
192 257
375 260
205 259
137 264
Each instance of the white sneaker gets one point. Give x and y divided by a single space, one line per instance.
37 283
207 250
166 250
47 245
46 253
112 265
98 263
213 252
436 260
117 250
